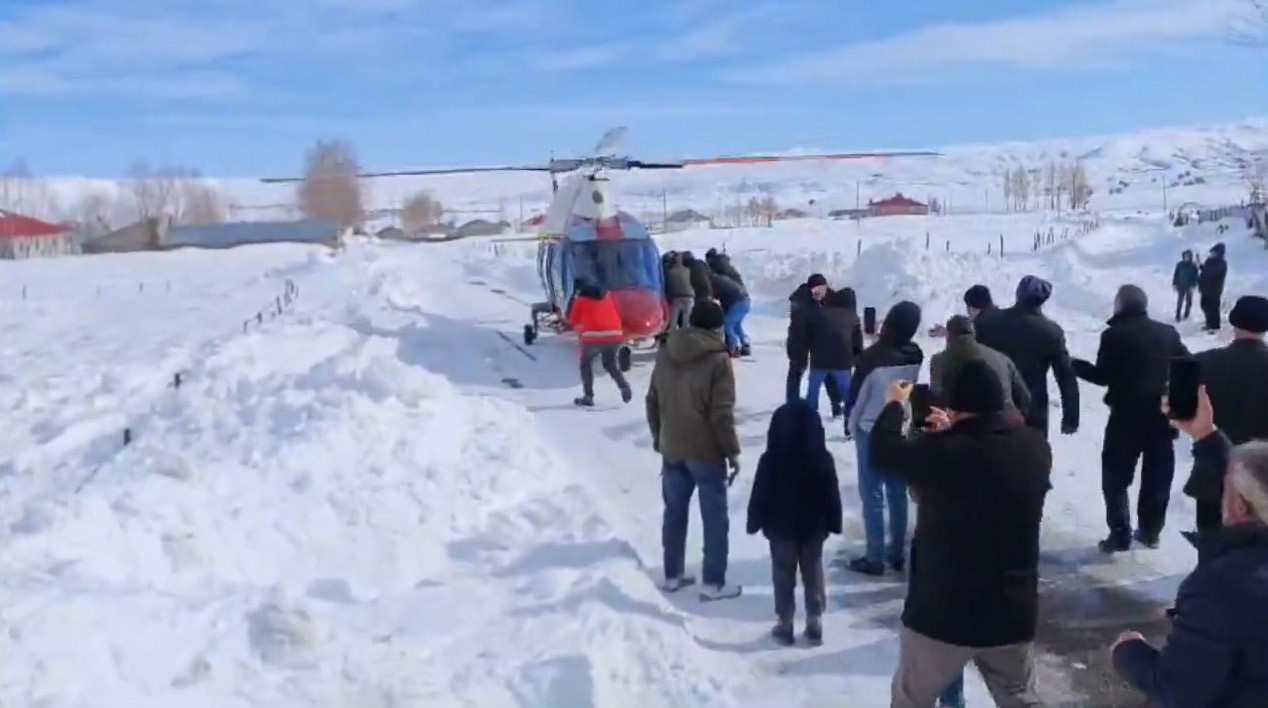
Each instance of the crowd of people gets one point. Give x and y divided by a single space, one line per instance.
977 469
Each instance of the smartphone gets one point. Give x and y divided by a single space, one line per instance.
869 320
1183 379
921 404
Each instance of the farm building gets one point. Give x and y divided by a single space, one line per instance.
897 205
28 237
144 235
244 233
481 227
686 219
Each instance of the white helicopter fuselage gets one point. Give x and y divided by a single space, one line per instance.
583 194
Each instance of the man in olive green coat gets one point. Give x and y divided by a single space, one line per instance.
962 346
679 291
691 415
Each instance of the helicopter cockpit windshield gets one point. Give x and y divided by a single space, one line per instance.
617 265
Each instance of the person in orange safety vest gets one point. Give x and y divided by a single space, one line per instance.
600 335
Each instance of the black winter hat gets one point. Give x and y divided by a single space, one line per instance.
706 314
816 280
959 325
901 322
975 388
978 297
1033 290
1250 314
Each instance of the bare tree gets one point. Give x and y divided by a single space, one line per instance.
1254 175
420 211
1008 190
152 192
330 189
200 203
94 211
1080 190
24 194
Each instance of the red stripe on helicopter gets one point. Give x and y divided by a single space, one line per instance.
608 229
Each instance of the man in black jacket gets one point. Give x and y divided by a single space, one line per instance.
699 275
978 301
1217 651
1036 345
1183 281
804 307
1236 377
835 340
972 594
721 263
1211 286
735 306
1132 364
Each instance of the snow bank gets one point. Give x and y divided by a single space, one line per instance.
313 520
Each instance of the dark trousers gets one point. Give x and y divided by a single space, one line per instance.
1210 516
792 390
1130 437
1039 422
1184 303
786 557
1210 304
606 353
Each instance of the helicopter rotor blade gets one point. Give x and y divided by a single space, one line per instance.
748 159
611 140
420 173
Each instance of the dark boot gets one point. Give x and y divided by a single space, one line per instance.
1147 540
867 567
1114 544
584 401
814 631
783 632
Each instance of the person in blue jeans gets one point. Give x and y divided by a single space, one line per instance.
691 418
834 339
893 357
736 338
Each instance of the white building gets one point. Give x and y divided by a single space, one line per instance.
27 237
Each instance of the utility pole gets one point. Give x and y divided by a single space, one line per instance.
858 196
664 207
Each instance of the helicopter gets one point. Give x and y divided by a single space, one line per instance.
584 235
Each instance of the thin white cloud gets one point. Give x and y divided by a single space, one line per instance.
1082 37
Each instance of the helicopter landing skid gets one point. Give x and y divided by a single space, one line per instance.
541 313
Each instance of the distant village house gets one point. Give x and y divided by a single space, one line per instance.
897 205
27 237
159 234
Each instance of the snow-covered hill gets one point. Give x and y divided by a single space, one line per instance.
377 500
1205 165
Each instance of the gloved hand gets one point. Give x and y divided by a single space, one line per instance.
734 464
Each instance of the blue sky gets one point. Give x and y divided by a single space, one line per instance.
242 87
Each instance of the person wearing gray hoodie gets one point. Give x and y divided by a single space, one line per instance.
893 357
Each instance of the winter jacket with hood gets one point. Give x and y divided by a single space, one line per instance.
892 358
721 263
974 580
1185 276
795 497
1236 378
1213 272
691 398
964 348
726 291
1133 363
678 281
1036 345
699 274
802 306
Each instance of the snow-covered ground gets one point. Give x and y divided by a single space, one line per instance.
377 499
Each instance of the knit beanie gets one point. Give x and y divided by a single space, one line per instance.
816 280
1250 314
975 388
1033 290
706 314
959 325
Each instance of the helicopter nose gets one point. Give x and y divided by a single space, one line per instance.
642 311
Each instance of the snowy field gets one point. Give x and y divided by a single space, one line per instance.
349 505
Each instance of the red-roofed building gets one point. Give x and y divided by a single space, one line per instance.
897 205
27 237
